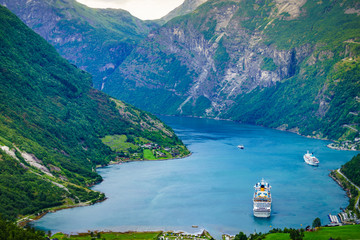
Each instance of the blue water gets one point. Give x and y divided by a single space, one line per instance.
213 187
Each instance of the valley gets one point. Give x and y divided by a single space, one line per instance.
51 125
80 87
279 64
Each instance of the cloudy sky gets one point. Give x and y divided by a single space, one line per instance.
143 9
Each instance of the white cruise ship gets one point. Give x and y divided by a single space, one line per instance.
310 159
262 199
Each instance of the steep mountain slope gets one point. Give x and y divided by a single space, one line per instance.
285 64
186 7
52 122
95 40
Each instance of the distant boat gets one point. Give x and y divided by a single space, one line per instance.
241 146
262 200
310 159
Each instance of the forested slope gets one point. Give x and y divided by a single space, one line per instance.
352 170
95 40
52 122
286 64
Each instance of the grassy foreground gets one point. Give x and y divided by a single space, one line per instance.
132 235
324 233
109 236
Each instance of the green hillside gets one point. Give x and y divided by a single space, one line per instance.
9 230
291 65
320 98
51 125
95 40
352 170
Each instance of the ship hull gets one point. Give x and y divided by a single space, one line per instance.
262 214
310 162
262 200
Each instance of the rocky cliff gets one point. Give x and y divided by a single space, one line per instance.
95 40
275 63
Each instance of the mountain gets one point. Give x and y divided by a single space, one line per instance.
52 126
95 40
286 64
186 7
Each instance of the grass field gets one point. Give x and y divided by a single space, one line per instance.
109 236
118 143
350 232
148 155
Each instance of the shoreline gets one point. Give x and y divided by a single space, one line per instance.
33 217
141 160
159 234
333 175
22 222
330 145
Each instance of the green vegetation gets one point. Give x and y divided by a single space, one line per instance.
149 155
97 40
130 147
295 102
256 15
240 236
23 192
10 231
351 170
109 236
353 193
316 223
196 107
318 25
324 233
268 64
118 143
315 55
129 235
209 30
51 116
317 99
221 56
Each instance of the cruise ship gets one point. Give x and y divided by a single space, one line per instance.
310 159
262 199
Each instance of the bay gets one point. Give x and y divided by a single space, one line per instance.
213 187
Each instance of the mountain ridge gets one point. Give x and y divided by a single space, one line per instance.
228 59
186 7
95 40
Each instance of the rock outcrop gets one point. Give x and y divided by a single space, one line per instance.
240 60
95 40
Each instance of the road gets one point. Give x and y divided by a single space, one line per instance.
358 188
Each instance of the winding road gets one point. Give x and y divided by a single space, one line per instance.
358 188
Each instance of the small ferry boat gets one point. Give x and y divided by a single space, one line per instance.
262 200
310 159
241 146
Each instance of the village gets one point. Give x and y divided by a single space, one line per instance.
202 235
157 150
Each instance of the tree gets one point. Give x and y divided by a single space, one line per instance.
316 223
296 234
240 236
